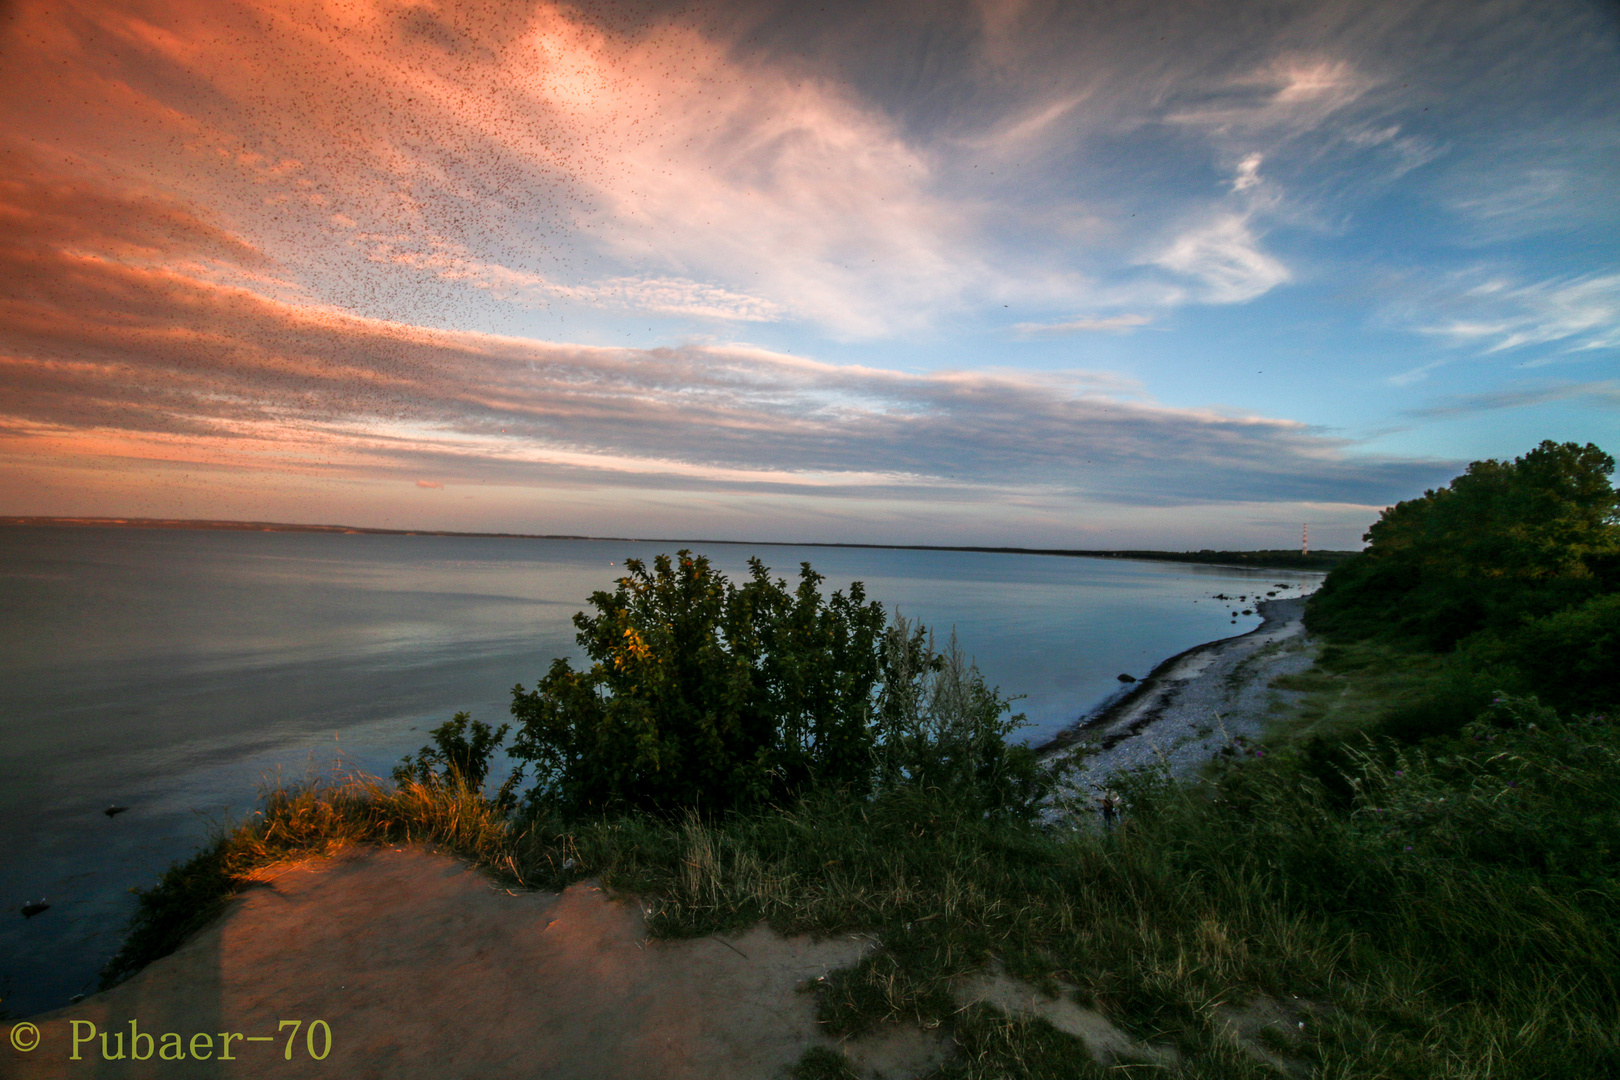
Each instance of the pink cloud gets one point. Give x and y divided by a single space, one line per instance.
518 134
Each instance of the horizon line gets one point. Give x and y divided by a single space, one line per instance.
281 526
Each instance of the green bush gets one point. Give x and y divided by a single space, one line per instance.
938 726
1506 541
703 694
1571 658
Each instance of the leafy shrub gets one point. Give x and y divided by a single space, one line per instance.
939 726
459 759
1505 541
1572 658
705 694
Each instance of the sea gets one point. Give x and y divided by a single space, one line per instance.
176 672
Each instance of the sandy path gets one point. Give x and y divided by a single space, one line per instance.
423 968
1194 705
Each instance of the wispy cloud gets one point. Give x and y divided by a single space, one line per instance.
287 232
1248 173
558 153
451 261
1496 314
660 164
746 171
1288 95
1604 393
1417 374
1113 324
1224 260
102 354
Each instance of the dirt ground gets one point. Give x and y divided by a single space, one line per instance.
419 967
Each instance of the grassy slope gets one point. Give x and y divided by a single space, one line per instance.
1434 918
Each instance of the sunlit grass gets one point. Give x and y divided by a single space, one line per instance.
305 820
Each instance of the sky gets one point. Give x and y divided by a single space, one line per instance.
1173 275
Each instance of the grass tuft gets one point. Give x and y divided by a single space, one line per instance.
820 1063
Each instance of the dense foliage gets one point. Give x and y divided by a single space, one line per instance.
1506 540
705 694
1514 568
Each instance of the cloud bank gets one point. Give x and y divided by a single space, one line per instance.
108 343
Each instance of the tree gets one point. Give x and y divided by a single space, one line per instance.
1504 541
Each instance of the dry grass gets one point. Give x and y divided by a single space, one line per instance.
310 819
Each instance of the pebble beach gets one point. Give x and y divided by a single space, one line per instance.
1213 698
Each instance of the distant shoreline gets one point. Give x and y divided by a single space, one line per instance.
1257 560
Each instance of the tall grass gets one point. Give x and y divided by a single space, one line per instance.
1457 919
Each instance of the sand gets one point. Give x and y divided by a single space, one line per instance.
417 966
421 967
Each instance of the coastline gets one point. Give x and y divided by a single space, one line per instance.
1206 701
1288 560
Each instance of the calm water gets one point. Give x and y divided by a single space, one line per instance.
170 671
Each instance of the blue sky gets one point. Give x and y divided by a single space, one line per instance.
1004 272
